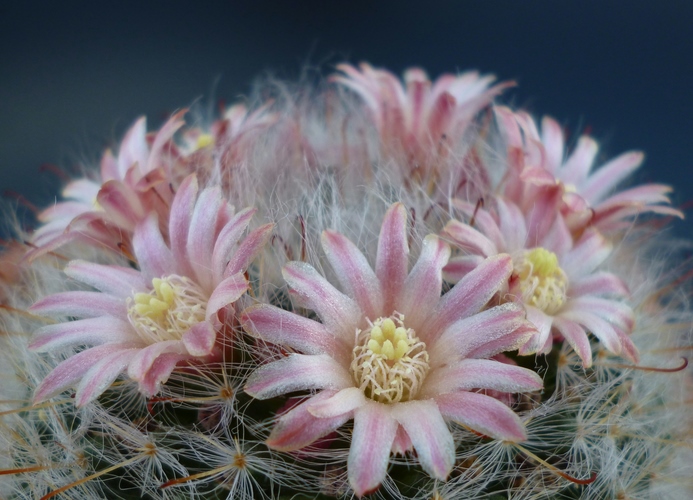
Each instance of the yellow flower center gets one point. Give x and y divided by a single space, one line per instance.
204 140
542 282
173 306
389 363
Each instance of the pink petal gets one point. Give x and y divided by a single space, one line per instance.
226 293
482 414
628 348
558 240
297 372
589 252
81 305
421 290
402 443
249 248
392 261
339 313
353 272
542 322
121 204
200 339
142 362
577 167
115 280
179 222
471 374
469 239
429 434
600 328
288 329
101 330
162 138
133 148
228 239
458 267
298 428
471 294
67 373
101 375
153 256
202 234
159 372
576 337
599 283
512 226
344 402
371 441
613 311
502 328
552 139
598 185
482 220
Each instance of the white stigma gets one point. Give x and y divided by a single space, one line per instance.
541 281
389 363
167 312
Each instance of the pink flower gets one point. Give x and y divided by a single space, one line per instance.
538 160
556 279
147 321
132 186
392 354
423 123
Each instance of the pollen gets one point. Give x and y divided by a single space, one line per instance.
541 281
204 140
389 362
169 310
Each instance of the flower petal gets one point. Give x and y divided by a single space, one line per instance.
179 222
285 328
228 239
297 372
226 293
101 330
298 428
471 374
354 273
153 256
429 434
115 280
502 328
202 233
421 290
392 261
482 414
576 337
67 373
371 442
345 401
471 294
339 313
200 339
251 245
101 375
469 239
542 322
599 283
81 305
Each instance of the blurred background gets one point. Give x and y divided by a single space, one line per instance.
75 74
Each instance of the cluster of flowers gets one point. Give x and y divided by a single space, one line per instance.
420 295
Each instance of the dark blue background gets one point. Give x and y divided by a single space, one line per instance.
73 76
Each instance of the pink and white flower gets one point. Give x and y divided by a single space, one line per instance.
423 123
392 354
147 321
133 184
557 279
589 198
